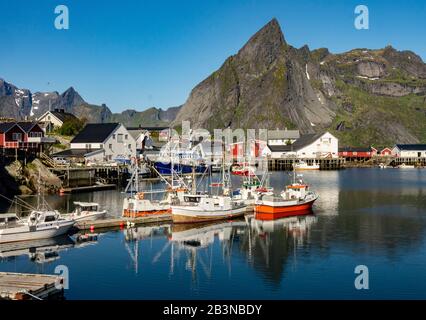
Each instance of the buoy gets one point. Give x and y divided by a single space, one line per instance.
61 192
92 228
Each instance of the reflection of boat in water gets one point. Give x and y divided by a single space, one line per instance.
202 235
406 166
40 251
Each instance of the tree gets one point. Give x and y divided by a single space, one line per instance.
71 127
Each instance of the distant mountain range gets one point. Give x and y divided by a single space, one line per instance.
362 96
22 104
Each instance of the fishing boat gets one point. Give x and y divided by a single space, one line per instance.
295 199
203 208
137 206
85 211
39 225
302 165
243 170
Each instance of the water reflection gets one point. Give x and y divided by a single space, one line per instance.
38 251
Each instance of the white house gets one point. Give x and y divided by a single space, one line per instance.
409 150
308 146
282 137
55 119
101 142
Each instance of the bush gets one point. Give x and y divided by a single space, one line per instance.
71 127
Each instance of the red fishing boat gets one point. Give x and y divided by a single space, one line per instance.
296 199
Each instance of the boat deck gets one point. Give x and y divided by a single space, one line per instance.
26 286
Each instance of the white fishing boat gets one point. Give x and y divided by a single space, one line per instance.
86 211
302 165
39 225
202 208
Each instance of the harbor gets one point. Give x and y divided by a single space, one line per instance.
203 260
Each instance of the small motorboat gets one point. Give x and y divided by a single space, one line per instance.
85 211
40 224
302 165
406 166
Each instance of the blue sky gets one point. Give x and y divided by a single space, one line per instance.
138 54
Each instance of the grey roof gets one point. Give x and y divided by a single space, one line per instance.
300 143
63 116
283 134
6 126
27 126
95 132
411 147
135 132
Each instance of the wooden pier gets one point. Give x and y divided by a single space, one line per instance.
96 187
122 222
26 286
286 164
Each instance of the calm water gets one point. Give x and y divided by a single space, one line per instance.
371 217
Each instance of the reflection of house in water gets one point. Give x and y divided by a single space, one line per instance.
40 251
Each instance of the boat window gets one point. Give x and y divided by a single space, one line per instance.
192 199
49 219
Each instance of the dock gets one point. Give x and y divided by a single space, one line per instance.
122 222
96 187
286 164
26 286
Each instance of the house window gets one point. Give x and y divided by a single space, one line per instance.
120 137
130 147
35 134
16 136
110 146
101 146
88 146
113 136
126 136
48 118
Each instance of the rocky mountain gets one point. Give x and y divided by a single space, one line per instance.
363 96
149 117
22 104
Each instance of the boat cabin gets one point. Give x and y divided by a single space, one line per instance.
86 206
43 216
8 219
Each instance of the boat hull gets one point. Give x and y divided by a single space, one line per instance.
183 215
166 168
23 233
269 212
137 214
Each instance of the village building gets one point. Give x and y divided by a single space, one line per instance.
55 119
357 153
409 150
282 137
27 136
385 152
308 146
100 142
